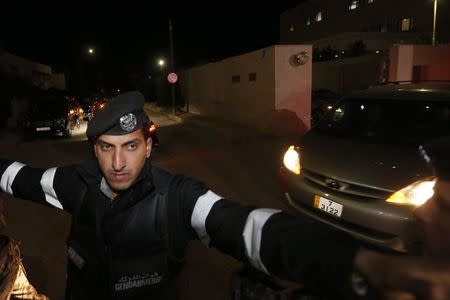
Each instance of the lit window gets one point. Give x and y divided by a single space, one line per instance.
370 1
291 27
353 5
406 24
308 22
319 16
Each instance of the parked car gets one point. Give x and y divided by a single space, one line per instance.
359 170
50 114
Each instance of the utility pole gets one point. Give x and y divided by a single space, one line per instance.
172 65
433 40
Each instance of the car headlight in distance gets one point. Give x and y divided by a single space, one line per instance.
291 160
152 128
415 194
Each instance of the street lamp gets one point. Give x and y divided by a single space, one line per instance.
161 63
433 40
91 51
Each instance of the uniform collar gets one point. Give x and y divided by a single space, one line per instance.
106 190
92 173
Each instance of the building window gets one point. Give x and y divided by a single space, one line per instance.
291 27
251 76
235 79
319 16
308 22
353 5
370 1
406 24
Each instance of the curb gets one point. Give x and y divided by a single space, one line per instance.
175 118
156 109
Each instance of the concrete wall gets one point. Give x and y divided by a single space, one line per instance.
278 89
344 75
210 90
293 85
419 62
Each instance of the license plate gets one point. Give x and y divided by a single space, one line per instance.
42 128
331 207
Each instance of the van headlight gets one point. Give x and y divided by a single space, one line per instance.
415 194
291 160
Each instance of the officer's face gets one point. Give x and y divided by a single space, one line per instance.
434 221
122 157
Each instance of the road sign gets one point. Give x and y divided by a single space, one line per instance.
172 77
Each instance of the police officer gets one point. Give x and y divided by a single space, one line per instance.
131 221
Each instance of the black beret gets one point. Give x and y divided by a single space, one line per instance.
436 152
122 115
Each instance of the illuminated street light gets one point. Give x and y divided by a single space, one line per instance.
91 51
433 40
161 63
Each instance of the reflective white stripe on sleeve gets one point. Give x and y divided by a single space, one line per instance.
47 187
200 213
252 235
9 175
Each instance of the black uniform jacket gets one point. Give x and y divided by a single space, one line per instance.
270 240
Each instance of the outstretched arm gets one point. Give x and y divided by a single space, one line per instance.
272 241
44 186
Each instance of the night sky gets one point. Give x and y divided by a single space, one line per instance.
131 33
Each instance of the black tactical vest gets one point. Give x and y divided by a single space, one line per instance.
120 253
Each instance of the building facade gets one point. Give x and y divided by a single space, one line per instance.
268 89
37 74
379 23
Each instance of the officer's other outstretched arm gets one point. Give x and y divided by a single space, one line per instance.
272 241
35 184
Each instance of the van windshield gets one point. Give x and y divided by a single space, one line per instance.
402 121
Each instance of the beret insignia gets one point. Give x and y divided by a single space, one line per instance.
128 122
